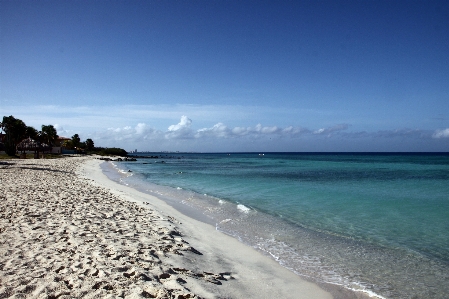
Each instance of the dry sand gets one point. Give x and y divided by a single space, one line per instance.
67 231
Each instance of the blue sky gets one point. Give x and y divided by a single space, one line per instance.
231 75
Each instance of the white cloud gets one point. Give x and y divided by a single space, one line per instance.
141 128
183 124
267 130
241 131
222 131
183 130
61 131
441 133
127 134
295 131
218 130
330 130
180 131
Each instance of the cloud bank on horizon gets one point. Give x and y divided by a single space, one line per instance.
183 136
116 127
266 137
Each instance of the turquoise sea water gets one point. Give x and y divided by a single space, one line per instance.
377 223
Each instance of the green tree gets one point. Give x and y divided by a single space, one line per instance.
114 151
76 140
67 144
15 131
48 134
32 133
89 144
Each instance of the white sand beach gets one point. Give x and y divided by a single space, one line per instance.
67 231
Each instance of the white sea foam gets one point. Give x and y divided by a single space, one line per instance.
278 250
243 208
367 292
122 171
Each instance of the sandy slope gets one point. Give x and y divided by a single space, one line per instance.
76 234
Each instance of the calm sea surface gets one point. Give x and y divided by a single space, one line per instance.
378 223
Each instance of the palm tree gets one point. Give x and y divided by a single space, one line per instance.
89 144
76 140
32 133
48 135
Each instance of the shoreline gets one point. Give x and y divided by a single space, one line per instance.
68 231
191 214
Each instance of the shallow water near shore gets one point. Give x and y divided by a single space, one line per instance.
376 223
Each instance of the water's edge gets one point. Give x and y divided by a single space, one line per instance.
174 198
340 261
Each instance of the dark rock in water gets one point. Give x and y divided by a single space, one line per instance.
146 157
118 159
105 159
129 171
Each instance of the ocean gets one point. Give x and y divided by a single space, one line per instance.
374 223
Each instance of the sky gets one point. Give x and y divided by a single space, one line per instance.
218 76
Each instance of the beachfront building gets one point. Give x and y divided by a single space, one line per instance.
60 146
29 145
